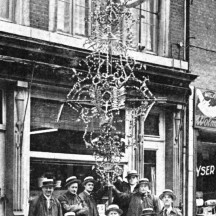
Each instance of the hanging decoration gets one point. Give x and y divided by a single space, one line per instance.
109 84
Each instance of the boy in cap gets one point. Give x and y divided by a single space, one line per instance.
89 196
70 201
45 204
168 197
125 189
143 199
113 210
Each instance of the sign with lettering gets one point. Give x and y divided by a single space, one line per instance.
205 170
205 109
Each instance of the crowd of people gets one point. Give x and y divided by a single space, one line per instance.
132 198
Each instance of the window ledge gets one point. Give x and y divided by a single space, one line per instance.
2 127
79 43
20 213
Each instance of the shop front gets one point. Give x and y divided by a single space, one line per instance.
205 127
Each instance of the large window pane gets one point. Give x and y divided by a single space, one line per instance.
64 16
145 29
81 15
150 168
61 141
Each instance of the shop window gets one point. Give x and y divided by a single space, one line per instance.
59 171
61 141
72 16
152 125
146 28
206 173
150 168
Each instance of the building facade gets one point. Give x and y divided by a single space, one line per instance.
202 131
41 44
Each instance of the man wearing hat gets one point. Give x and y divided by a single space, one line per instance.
70 201
113 210
125 189
89 196
143 199
168 197
45 204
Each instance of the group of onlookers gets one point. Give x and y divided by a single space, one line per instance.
132 198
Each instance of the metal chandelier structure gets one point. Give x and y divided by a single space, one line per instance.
109 83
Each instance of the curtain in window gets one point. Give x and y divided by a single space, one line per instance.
52 14
82 12
146 24
17 11
64 16
5 8
153 179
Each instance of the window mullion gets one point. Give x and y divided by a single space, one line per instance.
73 17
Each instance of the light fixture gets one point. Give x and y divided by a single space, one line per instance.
19 99
178 125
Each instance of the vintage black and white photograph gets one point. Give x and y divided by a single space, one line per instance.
107 107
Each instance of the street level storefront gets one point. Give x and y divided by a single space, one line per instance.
38 146
205 127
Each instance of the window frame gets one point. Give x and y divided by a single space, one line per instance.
155 37
72 20
3 124
11 12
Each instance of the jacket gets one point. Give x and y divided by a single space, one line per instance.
38 207
73 203
122 196
138 202
173 212
91 203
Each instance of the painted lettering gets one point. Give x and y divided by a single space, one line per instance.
205 170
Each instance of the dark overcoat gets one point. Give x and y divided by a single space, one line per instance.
72 203
38 207
91 203
122 196
138 202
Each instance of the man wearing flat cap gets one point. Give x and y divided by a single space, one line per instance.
90 197
168 210
113 210
143 199
70 201
127 188
45 204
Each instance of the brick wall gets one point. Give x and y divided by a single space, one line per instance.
176 27
39 14
203 47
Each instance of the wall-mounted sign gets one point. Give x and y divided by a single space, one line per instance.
205 170
205 108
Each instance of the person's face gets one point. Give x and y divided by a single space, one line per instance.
89 186
132 180
113 213
143 188
167 200
47 191
73 188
